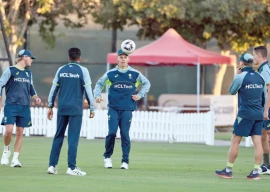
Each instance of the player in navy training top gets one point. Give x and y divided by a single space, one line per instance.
122 98
260 56
72 81
252 98
18 83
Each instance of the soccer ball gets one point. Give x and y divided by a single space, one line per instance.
128 46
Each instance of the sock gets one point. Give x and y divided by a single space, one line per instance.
256 169
6 148
16 155
229 167
266 159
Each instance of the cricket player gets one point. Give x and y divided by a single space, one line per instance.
18 82
252 97
260 56
122 98
72 81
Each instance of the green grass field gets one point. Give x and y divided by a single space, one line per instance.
154 167
226 136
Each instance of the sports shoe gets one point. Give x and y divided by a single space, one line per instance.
108 163
124 166
5 157
52 170
15 163
263 170
75 172
253 176
224 174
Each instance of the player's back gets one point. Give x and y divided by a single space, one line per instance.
71 82
251 95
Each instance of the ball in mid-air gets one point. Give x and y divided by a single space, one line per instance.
128 46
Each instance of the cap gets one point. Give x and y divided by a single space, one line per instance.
246 58
25 52
121 52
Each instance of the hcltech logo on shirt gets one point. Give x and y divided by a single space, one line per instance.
254 86
123 86
69 75
22 80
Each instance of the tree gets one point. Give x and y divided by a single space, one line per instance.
115 14
237 25
18 15
112 14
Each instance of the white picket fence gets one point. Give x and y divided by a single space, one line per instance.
146 126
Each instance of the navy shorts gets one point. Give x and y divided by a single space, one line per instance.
19 114
266 123
246 127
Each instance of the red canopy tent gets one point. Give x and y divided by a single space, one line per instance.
172 49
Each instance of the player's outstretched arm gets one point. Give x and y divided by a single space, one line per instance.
99 86
145 85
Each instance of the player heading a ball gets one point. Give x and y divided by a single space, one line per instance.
128 46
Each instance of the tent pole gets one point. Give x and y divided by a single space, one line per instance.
203 71
145 97
198 86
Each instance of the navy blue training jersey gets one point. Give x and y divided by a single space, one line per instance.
72 81
18 84
121 90
123 85
252 94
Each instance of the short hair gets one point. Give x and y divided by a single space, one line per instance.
74 53
262 50
249 62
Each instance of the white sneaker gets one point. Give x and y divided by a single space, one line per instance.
5 157
15 163
263 170
124 166
108 163
75 172
52 170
